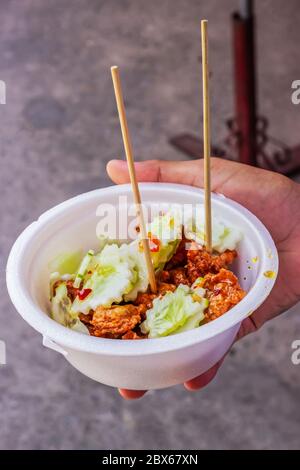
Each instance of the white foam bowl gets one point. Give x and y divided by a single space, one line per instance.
142 364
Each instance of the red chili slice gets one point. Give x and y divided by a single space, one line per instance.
82 294
154 245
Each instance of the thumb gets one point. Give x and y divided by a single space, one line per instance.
185 172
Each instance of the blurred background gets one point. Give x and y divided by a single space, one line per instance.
59 128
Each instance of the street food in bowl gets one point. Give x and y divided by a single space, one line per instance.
243 261
107 293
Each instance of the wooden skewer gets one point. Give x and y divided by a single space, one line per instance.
134 184
206 136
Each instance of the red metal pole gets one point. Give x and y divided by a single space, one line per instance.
245 86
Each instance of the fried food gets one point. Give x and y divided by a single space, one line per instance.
110 293
179 276
200 262
222 286
223 292
113 322
164 287
132 335
145 300
86 319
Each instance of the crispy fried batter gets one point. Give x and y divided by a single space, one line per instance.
86 318
133 335
145 300
223 260
223 292
200 262
179 276
164 287
115 321
94 332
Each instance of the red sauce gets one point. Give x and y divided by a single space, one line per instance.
154 243
82 294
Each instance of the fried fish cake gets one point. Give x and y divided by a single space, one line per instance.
115 321
200 262
223 292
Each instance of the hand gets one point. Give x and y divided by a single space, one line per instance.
273 198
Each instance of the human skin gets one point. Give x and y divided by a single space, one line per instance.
273 198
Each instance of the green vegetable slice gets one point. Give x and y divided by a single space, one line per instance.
224 236
113 276
65 263
175 312
83 268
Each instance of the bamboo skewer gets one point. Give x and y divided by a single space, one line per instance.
206 136
134 184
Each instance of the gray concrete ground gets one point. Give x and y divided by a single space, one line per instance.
58 130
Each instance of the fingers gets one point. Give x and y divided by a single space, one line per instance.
228 177
184 172
118 172
204 379
249 325
252 187
157 170
131 394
